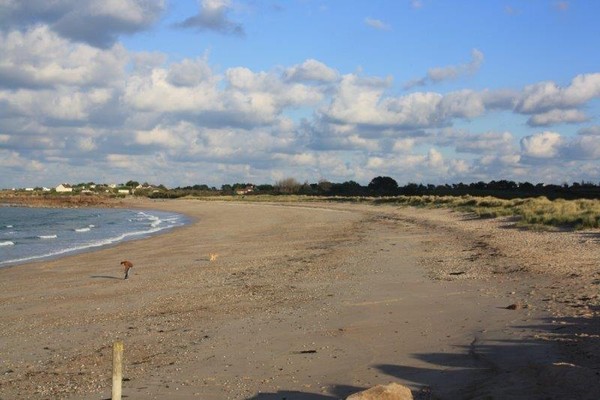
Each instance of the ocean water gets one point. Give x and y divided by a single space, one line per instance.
31 234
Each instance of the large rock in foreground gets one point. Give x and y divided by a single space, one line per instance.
393 391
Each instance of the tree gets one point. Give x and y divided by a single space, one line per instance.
226 189
383 186
287 186
324 186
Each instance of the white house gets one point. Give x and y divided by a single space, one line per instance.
63 187
246 190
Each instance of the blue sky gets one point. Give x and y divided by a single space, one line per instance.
223 91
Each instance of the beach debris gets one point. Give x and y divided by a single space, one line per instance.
457 273
213 256
305 352
127 265
516 306
392 391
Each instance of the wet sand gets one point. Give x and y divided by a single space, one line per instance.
310 301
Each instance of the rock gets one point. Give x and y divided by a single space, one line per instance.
393 391
516 306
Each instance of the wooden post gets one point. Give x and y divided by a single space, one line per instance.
117 372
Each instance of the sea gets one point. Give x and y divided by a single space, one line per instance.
31 234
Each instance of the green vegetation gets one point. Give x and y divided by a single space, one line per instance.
532 212
575 206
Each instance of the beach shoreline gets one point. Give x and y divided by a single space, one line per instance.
308 301
56 230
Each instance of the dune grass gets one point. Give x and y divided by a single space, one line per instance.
532 212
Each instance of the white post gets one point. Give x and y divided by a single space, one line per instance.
117 372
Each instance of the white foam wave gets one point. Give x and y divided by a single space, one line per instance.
108 241
99 243
91 225
47 236
154 220
9 226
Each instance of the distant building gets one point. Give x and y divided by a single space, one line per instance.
246 190
124 191
63 188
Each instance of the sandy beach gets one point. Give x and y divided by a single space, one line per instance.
310 301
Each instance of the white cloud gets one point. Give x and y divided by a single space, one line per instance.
189 73
155 92
435 160
63 104
40 58
546 96
590 131
121 114
583 147
12 159
377 24
542 145
311 70
213 16
463 104
166 137
489 142
97 22
439 74
557 117
403 145
86 144
360 101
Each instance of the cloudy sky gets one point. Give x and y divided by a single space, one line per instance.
184 92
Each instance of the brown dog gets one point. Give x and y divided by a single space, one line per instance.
127 265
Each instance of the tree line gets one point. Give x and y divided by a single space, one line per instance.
387 186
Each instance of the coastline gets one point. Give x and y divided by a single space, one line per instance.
305 301
57 201
86 246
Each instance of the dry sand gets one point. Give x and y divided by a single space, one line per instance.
310 301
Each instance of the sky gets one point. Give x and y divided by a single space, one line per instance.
185 92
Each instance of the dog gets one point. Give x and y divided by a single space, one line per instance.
127 265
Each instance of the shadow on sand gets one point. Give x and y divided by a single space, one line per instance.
340 392
562 361
105 277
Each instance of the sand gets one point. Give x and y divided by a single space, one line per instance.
310 301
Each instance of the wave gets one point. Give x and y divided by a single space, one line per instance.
147 225
99 243
9 226
154 220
